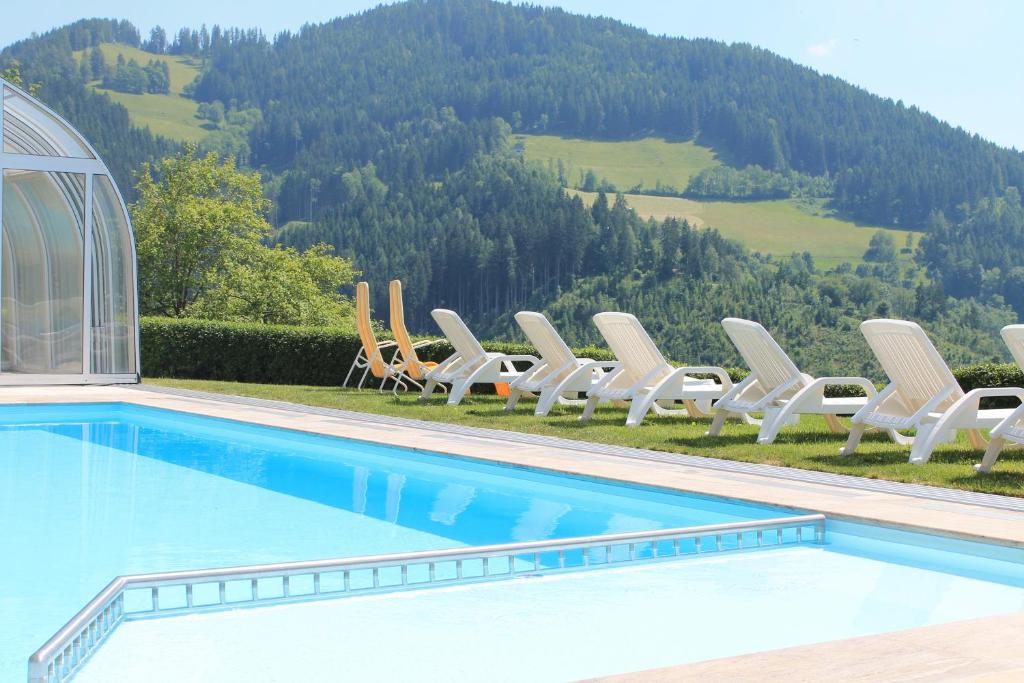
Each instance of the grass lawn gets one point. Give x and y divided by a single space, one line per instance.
170 115
778 227
623 163
808 446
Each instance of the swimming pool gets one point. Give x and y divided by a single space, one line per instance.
118 489
102 490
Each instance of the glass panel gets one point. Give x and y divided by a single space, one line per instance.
113 284
30 129
41 272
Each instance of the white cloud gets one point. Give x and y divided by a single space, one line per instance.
823 49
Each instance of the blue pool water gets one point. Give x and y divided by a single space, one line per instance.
91 492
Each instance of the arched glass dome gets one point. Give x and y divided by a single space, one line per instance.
68 282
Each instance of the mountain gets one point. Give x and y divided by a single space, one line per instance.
553 71
391 135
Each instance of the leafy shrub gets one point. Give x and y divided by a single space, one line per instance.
190 348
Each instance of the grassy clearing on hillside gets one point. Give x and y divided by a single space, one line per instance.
171 115
807 446
623 163
779 227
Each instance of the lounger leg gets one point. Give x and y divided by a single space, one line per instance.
834 425
591 406
638 409
362 380
991 454
717 423
428 389
774 420
899 439
856 432
513 399
356 363
770 426
458 391
976 440
548 398
693 410
927 439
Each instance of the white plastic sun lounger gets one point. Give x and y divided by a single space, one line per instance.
470 364
559 375
643 376
1012 428
922 393
777 388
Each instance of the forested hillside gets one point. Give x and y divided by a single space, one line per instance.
390 135
547 70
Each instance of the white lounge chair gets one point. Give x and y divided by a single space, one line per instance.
777 388
643 376
470 364
1012 428
922 393
559 374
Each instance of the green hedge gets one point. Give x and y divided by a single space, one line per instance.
273 354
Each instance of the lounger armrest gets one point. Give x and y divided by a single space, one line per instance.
1009 422
387 343
994 392
584 367
517 357
426 342
718 372
641 383
737 389
607 379
598 364
859 381
507 360
534 371
862 382
443 365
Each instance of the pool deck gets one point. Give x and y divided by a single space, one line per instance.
980 649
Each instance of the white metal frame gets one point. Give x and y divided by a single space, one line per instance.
89 168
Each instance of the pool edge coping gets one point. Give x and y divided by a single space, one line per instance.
847 481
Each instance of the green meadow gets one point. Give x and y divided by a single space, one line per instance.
625 164
171 115
778 227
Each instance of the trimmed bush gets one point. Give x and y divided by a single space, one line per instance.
245 352
276 354
996 375
273 354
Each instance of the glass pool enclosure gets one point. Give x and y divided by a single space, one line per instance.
68 309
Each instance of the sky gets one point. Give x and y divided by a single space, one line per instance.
961 61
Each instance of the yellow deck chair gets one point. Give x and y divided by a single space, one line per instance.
410 363
371 356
